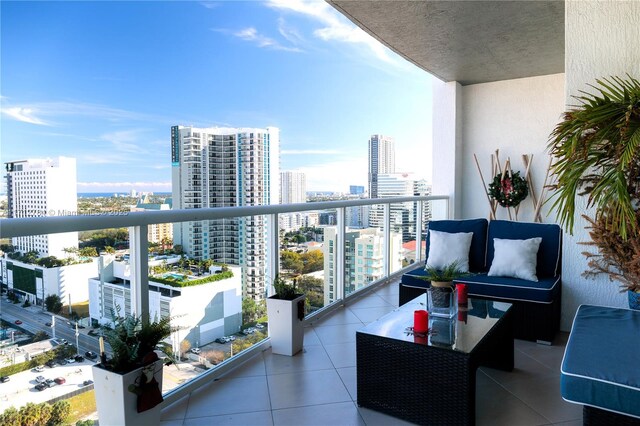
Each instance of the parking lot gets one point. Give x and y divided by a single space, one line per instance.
20 388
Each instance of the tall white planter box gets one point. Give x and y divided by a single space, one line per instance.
116 404
285 325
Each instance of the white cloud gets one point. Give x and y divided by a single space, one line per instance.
309 152
336 176
124 184
24 114
290 33
125 141
251 34
335 27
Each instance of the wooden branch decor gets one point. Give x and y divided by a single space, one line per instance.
508 189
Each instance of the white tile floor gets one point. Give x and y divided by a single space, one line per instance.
318 386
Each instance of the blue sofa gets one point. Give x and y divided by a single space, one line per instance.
536 304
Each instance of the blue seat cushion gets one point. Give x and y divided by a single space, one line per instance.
549 253
600 365
544 291
478 242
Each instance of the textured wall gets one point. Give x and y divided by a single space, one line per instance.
602 39
516 117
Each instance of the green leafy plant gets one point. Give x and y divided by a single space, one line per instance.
285 290
597 152
132 340
448 273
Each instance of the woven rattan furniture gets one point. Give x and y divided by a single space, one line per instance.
431 380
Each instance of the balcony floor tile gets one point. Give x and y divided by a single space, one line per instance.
318 385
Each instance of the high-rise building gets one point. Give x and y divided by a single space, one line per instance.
160 233
226 167
43 187
402 215
363 259
293 187
382 159
356 190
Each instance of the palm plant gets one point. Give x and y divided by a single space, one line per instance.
448 273
597 151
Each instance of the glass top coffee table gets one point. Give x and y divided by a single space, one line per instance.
431 379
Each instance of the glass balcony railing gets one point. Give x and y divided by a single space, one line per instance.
334 249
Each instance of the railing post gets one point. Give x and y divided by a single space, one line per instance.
139 261
419 224
340 252
387 238
273 251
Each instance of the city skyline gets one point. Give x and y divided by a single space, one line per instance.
107 90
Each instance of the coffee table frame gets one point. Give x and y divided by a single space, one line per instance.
428 384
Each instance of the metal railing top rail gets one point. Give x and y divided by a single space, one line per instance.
21 227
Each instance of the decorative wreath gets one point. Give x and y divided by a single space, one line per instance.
510 190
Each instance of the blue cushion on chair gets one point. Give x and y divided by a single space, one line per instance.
549 253
478 242
600 365
545 290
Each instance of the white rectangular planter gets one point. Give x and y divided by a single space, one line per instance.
285 328
116 405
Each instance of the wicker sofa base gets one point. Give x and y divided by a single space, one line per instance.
536 322
592 416
425 384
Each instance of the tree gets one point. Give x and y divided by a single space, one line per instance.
53 303
39 336
109 250
313 261
88 252
313 288
185 345
291 261
10 417
30 414
59 413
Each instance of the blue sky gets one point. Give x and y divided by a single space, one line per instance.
104 81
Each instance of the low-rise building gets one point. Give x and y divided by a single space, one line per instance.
204 311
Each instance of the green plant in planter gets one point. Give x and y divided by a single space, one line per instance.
133 340
285 290
448 273
597 154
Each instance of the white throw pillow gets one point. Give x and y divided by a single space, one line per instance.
447 247
515 258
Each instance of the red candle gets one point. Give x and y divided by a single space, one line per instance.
462 294
463 315
420 321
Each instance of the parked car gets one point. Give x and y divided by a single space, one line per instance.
50 383
18 322
59 380
40 379
87 382
195 350
260 326
40 387
230 338
91 355
48 324
78 358
71 360
51 363
221 340
62 362
4 379
39 368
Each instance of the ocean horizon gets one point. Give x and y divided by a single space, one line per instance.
115 194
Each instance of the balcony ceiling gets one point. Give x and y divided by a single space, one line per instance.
467 41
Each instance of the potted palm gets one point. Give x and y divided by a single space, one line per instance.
285 310
442 299
597 153
128 385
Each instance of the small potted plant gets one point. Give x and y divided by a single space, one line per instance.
442 299
128 384
285 310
